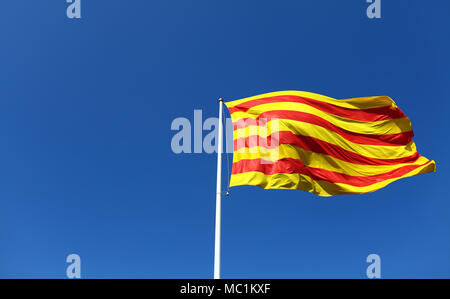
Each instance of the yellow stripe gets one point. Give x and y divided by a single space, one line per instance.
392 126
321 188
354 103
306 129
316 160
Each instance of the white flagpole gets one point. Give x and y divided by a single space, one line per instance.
218 195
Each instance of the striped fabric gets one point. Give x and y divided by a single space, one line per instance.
306 141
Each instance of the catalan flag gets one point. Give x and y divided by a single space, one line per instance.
301 140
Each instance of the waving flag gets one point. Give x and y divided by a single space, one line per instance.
306 141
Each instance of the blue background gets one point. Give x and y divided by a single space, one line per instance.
86 165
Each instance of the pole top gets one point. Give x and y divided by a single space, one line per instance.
220 100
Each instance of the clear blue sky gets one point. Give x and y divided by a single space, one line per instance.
86 165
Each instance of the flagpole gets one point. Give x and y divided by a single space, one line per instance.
218 195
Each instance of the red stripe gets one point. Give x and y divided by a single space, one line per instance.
296 166
369 139
369 115
315 145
